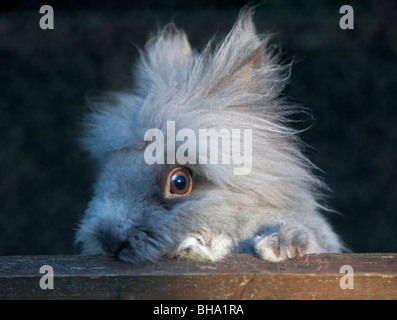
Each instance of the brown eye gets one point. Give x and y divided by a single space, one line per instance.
178 183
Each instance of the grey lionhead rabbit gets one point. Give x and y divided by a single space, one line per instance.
189 206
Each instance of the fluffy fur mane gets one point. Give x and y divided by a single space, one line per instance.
237 84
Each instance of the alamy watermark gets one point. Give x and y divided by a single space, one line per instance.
347 280
235 149
47 20
347 20
47 280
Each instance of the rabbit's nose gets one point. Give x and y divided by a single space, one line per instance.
114 248
111 244
123 245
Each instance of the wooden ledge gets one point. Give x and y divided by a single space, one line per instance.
240 276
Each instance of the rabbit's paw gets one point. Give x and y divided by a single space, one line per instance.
202 245
282 245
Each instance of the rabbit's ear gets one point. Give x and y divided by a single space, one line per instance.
240 62
245 73
170 45
255 59
166 59
165 56
170 42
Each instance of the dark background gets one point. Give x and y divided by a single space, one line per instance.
348 78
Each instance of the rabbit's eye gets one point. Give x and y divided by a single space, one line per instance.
179 183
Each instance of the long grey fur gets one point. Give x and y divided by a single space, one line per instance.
274 212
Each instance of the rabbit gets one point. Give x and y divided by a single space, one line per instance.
158 196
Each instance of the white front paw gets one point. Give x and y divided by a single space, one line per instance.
202 245
282 245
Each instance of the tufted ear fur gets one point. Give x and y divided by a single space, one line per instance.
240 56
166 58
113 123
244 76
167 48
173 82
